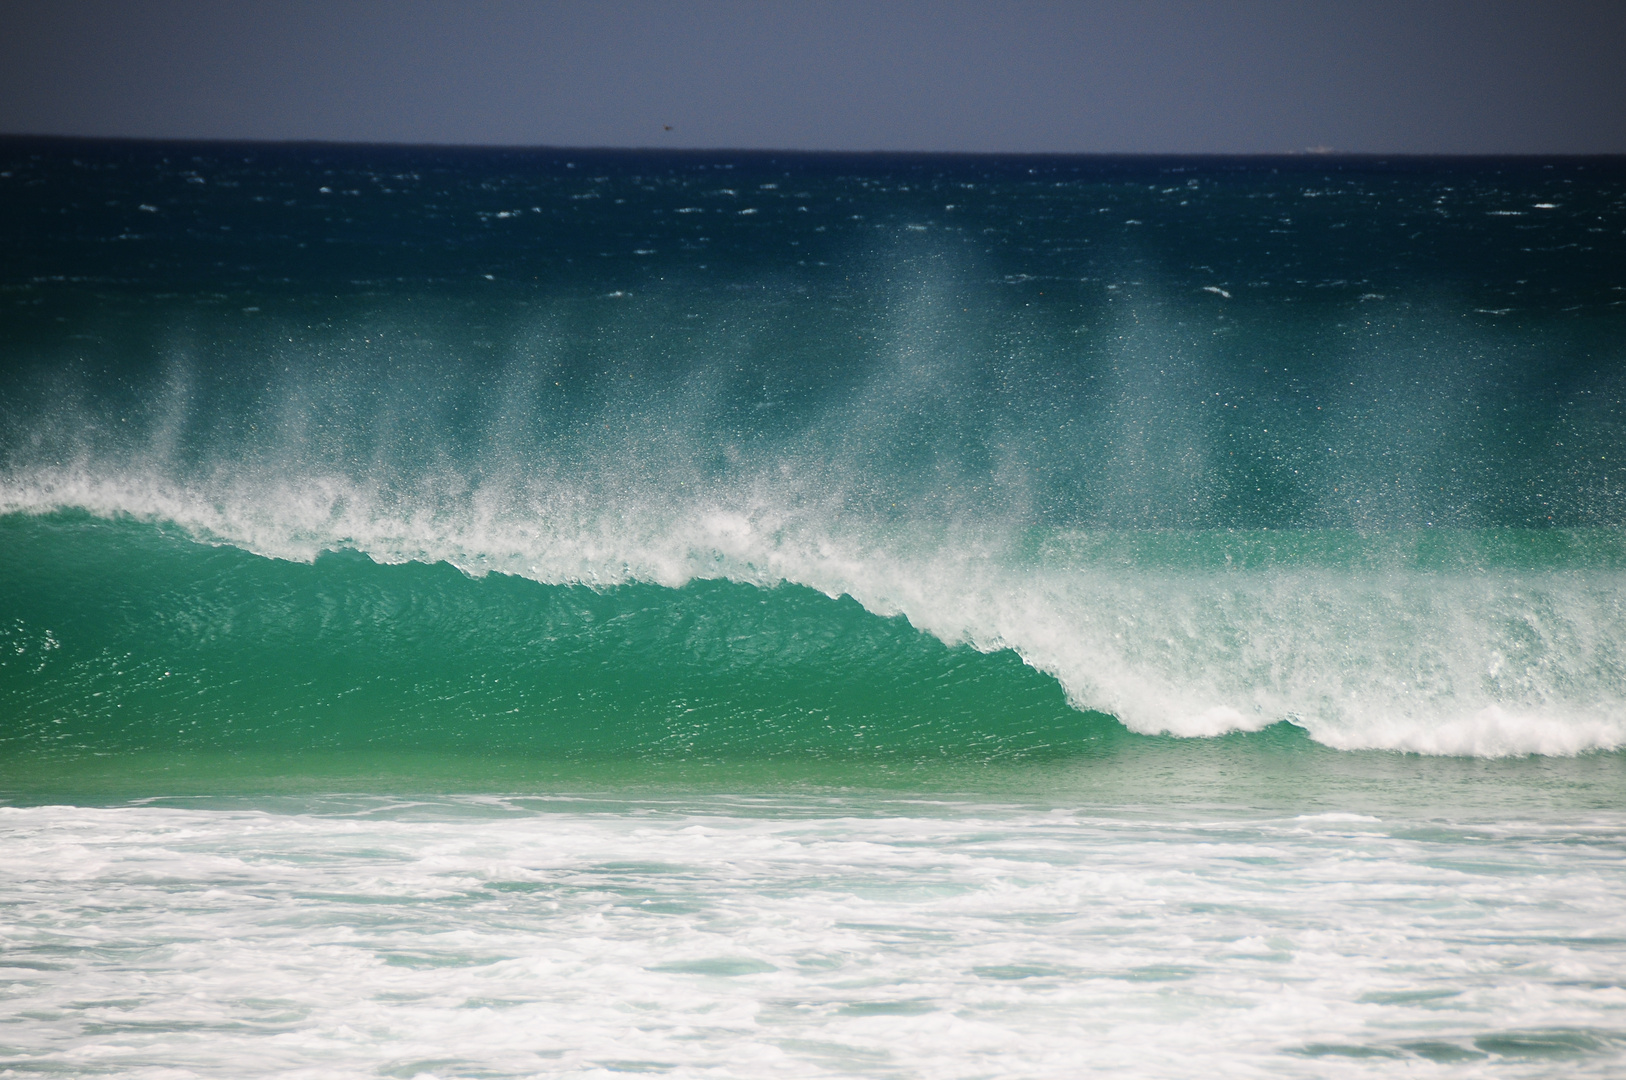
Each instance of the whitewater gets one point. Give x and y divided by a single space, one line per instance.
520 613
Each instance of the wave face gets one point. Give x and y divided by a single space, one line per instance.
584 454
127 638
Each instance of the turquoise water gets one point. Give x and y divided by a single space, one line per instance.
126 636
498 613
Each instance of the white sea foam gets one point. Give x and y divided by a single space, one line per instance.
741 939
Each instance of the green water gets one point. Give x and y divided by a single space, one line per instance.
140 664
1278 770
126 638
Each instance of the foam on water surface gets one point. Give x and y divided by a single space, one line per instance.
870 936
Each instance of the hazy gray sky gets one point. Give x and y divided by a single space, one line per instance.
1451 76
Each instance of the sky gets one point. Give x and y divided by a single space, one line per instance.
1154 76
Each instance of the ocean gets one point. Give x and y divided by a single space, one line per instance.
507 613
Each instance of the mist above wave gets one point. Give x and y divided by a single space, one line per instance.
1000 483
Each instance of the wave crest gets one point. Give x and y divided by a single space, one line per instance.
1364 643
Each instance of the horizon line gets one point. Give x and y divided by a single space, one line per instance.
1317 152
